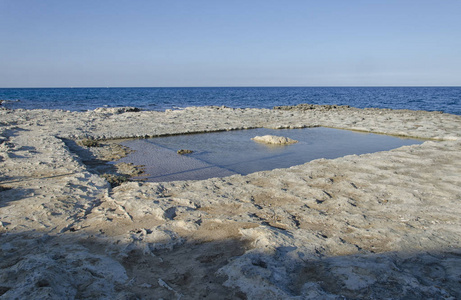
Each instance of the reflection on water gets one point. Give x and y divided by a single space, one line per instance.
222 154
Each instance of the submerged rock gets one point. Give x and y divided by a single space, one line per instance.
184 151
273 139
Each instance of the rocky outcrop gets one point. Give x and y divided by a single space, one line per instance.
184 151
274 140
383 225
306 106
116 110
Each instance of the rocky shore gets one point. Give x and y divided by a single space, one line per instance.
385 225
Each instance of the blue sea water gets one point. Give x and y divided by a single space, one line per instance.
446 99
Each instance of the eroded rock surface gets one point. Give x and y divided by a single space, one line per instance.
274 140
384 225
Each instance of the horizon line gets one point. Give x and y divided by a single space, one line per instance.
230 86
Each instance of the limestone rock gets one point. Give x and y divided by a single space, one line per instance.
273 139
382 225
116 110
184 151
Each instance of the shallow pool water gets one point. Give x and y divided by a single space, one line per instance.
220 154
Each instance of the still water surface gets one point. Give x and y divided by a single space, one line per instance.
221 154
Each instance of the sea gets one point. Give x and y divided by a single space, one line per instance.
445 99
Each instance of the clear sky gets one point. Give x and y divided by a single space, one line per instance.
99 43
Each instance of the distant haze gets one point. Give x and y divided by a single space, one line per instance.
102 43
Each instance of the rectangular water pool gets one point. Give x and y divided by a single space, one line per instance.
220 154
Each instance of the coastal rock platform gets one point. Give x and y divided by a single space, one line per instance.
384 225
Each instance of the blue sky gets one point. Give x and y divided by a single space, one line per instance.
64 43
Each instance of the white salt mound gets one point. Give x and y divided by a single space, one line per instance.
273 139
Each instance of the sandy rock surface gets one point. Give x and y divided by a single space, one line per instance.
274 140
385 225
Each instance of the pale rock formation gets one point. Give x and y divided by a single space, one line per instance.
274 140
383 225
